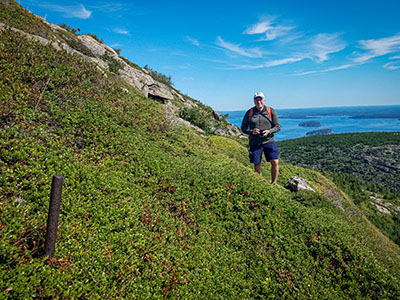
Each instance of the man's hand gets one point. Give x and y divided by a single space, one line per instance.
266 132
256 131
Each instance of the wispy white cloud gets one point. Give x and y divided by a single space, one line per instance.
178 53
212 60
193 41
306 73
260 27
244 67
378 47
268 64
69 11
324 44
341 67
317 47
110 7
121 31
393 65
276 32
284 61
85 12
268 29
237 49
292 39
395 57
155 50
178 67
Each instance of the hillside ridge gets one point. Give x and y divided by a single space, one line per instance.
92 49
153 210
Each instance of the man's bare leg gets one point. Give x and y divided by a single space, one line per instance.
274 170
257 168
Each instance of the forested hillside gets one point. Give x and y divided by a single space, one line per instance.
371 157
365 165
153 209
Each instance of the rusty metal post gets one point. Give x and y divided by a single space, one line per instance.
54 212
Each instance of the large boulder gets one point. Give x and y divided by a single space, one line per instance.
160 92
98 49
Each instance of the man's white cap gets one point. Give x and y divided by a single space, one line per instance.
259 94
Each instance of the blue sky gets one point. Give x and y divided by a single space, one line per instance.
299 53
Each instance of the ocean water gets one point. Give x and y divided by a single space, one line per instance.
339 119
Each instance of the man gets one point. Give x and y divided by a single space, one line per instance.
260 123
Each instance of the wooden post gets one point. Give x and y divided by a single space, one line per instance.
54 212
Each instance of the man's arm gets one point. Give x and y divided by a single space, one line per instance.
245 123
275 122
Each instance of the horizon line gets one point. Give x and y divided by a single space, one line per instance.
310 107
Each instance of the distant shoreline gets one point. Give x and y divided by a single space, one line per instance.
340 119
353 112
321 107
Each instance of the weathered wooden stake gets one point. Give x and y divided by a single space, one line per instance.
54 212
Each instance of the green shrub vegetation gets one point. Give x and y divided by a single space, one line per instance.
113 65
198 117
95 37
371 157
15 16
71 40
117 50
133 65
361 164
12 14
159 76
202 116
153 211
68 28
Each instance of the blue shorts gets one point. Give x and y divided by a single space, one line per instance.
270 151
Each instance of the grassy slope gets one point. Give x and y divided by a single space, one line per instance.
360 163
152 211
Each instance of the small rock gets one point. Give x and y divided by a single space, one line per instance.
20 202
381 209
298 184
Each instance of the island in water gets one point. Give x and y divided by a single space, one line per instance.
310 124
319 132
